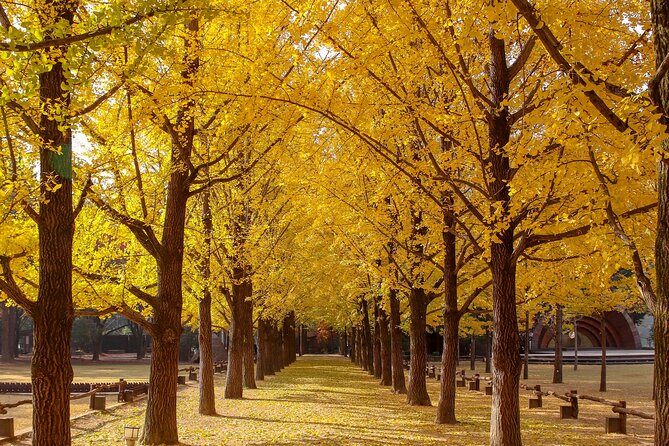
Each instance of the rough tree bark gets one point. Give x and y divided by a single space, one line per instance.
7 350
277 345
285 336
505 413
368 346
234 380
660 24
207 403
261 361
449 357
385 353
399 384
206 371
249 370
51 370
417 389
354 347
377 342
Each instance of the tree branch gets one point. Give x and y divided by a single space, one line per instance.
142 231
62 41
523 57
8 286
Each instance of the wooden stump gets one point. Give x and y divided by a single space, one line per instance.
7 427
566 412
181 379
98 402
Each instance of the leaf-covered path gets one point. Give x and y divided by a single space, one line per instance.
325 400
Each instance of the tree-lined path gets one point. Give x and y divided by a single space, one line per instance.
326 400
372 169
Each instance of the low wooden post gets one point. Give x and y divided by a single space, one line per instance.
129 396
617 425
461 382
121 390
573 397
7 427
488 389
538 401
570 411
474 384
192 374
97 402
181 379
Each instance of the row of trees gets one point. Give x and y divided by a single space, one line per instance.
225 165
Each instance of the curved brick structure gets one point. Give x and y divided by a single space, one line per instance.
620 332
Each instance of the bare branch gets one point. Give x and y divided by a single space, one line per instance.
99 101
82 198
523 57
11 289
32 213
142 231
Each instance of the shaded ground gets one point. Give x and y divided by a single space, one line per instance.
325 400
84 371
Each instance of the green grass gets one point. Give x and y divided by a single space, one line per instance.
327 401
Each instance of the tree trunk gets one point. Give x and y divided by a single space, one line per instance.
449 356
206 372
362 351
367 338
384 343
7 334
51 369
138 334
417 389
399 385
277 345
557 363
377 342
15 330
354 347
472 352
160 423
293 337
602 375
660 22
345 333
97 339
303 340
249 370
234 381
285 335
261 357
505 413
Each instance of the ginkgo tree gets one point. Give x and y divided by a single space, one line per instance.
49 57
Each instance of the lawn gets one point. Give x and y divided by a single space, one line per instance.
84 371
325 400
